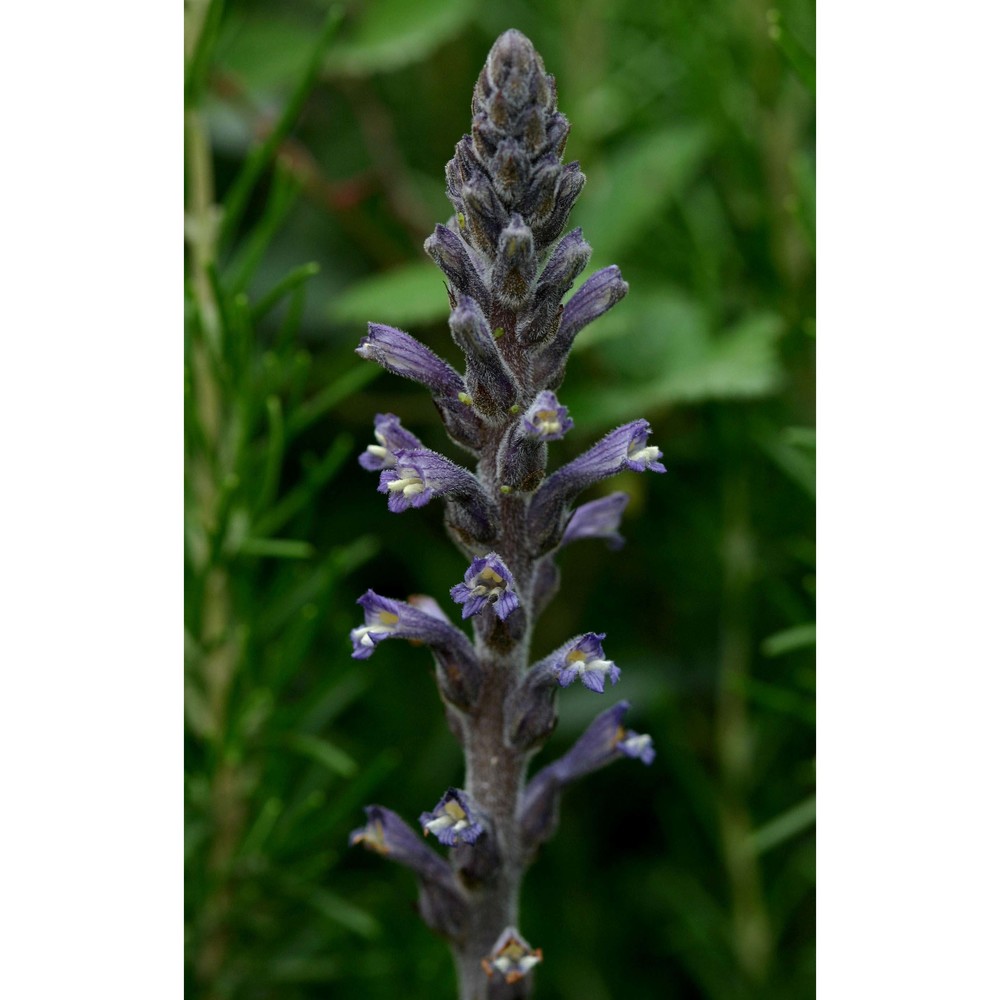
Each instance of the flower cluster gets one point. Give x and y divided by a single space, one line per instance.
508 268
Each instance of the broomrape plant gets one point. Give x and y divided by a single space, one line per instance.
507 271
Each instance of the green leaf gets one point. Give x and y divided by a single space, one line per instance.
798 637
356 377
785 826
335 566
276 548
332 758
800 437
204 20
275 452
412 295
314 480
198 713
281 197
795 455
780 699
262 826
798 57
698 926
671 338
264 49
803 168
344 913
289 284
390 34
625 199
239 192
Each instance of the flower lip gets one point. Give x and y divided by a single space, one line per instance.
584 658
453 820
546 419
636 745
390 437
511 956
381 620
488 583
639 455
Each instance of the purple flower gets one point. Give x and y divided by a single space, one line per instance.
391 436
513 277
487 583
453 820
598 519
491 385
387 834
570 257
546 419
604 741
459 673
638 745
481 210
471 330
583 657
523 453
442 905
512 957
623 448
549 224
595 296
420 474
403 355
451 255
389 619
508 267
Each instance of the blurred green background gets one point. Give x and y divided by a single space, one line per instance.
315 146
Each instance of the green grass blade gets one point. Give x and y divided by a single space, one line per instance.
238 195
290 283
785 826
356 377
196 69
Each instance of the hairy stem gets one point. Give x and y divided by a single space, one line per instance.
494 771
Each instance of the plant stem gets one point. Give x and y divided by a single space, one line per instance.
208 469
734 739
494 771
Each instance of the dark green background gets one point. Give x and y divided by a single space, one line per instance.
694 122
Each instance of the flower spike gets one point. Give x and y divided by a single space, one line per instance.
508 267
